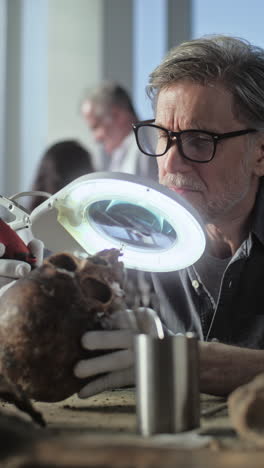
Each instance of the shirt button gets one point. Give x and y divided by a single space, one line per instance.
195 284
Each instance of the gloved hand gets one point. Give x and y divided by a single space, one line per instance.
119 365
11 270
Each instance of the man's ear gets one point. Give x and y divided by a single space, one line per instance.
259 163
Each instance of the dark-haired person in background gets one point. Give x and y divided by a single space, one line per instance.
61 163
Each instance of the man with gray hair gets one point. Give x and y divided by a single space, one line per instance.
208 140
109 114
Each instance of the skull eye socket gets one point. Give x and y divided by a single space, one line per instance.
64 261
95 289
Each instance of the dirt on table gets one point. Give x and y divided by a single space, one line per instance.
101 431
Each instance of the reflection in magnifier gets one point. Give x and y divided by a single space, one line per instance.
132 224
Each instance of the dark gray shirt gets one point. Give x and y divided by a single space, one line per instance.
237 317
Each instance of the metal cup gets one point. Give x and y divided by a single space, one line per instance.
167 384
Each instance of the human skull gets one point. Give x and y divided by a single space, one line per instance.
43 316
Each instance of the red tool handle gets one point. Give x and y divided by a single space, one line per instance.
15 248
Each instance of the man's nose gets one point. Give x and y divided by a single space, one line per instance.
173 160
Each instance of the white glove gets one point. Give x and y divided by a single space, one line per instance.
11 270
119 365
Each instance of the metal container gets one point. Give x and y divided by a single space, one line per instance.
167 384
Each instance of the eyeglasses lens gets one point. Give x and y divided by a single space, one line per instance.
197 146
151 140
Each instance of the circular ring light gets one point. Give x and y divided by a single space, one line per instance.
155 228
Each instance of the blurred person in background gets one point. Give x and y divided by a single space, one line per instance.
60 164
109 114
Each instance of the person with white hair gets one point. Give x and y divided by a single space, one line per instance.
109 114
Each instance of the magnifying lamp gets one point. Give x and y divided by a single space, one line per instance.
155 229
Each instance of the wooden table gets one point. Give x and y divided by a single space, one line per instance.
101 432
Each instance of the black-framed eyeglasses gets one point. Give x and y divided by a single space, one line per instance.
194 145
